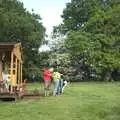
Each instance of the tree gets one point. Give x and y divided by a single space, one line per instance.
94 51
92 30
17 24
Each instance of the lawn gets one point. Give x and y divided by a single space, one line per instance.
81 101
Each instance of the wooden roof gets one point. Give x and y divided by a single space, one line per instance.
14 47
8 45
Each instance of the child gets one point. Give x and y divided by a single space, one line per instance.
64 85
5 81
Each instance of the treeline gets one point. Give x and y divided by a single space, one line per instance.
17 24
92 30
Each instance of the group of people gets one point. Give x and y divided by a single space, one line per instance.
50 76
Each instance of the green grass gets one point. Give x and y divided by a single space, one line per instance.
82 101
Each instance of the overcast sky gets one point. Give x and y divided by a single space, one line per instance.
49 10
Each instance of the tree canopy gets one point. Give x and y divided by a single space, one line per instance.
92 30
17 24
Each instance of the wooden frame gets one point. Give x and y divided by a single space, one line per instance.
13 56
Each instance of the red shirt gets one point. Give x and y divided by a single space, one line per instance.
47 75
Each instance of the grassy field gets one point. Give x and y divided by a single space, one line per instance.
82 101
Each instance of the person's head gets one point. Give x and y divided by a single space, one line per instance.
51 69
25 81
45 68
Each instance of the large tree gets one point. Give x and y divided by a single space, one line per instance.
17 24
93 41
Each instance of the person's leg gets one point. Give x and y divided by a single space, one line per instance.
60 86
65 84
48 88
55 88
63 88
45 87
6 87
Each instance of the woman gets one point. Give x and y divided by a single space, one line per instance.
47 76
56 78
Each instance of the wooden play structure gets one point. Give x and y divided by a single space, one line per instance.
12 85
11 60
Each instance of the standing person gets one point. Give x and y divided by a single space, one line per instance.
64 85
56 79
5 81
61 83
47 76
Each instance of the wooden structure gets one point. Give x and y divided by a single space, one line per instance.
11 60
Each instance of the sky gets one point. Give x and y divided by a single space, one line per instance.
49 10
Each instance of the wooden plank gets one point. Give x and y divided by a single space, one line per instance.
7 96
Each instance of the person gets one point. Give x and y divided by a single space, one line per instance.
24 84
64 85
56 78
47 76
5 81
1 86
61 83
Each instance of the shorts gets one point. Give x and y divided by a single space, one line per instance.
47 84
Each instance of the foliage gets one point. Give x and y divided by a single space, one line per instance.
95 51
105 22
92 30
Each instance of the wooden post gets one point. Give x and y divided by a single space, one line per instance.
21 73
1 69
11 72
1 66
16 72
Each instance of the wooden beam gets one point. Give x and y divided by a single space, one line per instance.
11 70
